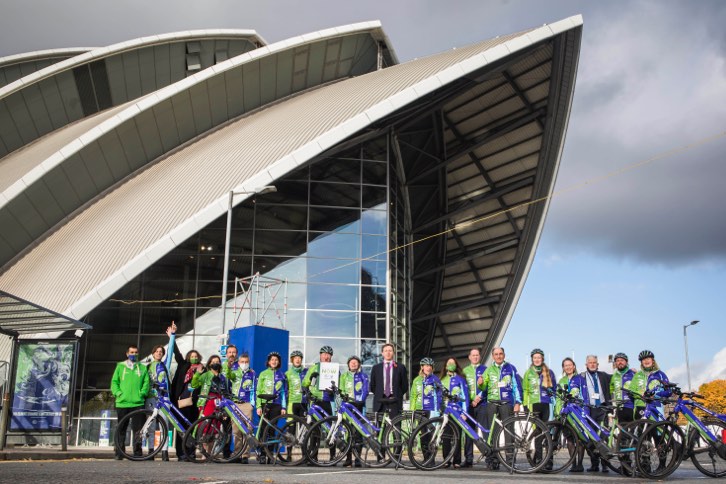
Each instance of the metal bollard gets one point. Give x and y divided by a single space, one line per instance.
64 430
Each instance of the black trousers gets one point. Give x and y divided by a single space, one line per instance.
192 414
503 411
298 409
357 438
136 424
542 412
480 415
394 409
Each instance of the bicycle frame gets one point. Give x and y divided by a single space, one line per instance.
683 406
171 413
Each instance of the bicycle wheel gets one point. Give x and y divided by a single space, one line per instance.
564 448
627 442
426 440
210 439
709 457
522 443
660 450
282 440
396 437
326 443
146 435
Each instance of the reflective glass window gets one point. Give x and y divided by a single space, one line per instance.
370 351
295 321
288 192
373 325
280 242
333 297
334 194
333 270
374 246
342 349
373 196
336 170
373 272
373 298
334 245
292 269
330 219
374 221
332 323
281 217
374 173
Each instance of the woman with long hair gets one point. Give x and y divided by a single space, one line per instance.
569 370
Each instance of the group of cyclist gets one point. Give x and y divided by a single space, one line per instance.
485 393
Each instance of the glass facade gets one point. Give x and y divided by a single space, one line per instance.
332 230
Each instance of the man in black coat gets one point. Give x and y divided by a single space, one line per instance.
389 382
597 385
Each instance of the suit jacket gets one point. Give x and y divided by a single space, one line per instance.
603 385
399 384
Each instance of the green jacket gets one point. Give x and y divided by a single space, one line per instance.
307 383
130 386
294 386
472 374
533 389
204 381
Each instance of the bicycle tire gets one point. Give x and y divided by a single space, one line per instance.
318 437
565 445
396 438
431 436
526 435
704 454
146 434
664 441
210 436
282 440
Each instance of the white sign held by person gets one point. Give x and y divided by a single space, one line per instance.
328 375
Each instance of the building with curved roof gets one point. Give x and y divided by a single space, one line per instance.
409 197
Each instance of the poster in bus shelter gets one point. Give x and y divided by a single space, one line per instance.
42 384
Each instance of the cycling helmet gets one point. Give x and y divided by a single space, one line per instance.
620 355
326 349
354 357
427 361
645 354
296 353
273 353
535 351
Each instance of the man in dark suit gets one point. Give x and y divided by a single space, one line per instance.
389 382
596 392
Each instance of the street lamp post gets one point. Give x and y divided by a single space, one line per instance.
225 280
685 343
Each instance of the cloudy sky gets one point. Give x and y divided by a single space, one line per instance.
623 263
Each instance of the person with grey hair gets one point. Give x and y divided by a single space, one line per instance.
593 386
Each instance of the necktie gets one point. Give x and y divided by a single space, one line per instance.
595 388
387 387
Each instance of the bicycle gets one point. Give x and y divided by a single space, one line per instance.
704 440
373 445
212 435
609 442
156 418
518 434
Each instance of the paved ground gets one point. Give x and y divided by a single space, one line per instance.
103 471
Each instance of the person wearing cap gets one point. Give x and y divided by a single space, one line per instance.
271 382
537 382
593 386
243 394
354 384
622 376
649 379
501 383
426 396
311 380
296 400
477 401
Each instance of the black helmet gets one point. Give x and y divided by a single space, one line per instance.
273 353
620 355
354 357
296 353
535 351
645 354
326 349
427 361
